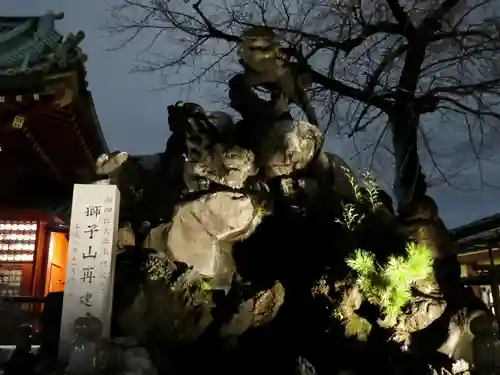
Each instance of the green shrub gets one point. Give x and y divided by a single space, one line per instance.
389 285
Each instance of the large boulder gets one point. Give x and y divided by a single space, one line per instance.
168 309
157 238
203 230
255 312
466 333
342 173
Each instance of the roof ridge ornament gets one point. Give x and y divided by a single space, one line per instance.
39 47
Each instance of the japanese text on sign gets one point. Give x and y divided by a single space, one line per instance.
90 274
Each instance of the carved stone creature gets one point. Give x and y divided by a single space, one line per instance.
288 147
119 168
194 128
86 346
203 231
221 120
66 98
259 49
108 166
267 66
201 137
210 157
225 166
63 53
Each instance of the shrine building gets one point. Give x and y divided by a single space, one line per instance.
479 256
50 138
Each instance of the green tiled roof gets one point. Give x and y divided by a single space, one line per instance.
32 44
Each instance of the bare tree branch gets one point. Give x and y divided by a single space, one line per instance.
402 17
371 61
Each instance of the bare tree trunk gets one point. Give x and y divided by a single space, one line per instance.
409 182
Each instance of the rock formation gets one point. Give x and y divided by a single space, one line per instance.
249 243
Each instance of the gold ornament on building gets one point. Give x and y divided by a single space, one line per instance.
18 122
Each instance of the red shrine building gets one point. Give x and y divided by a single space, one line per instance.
49 139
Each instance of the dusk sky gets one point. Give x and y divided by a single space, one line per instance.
133 115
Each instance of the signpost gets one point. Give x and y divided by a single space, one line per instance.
91 259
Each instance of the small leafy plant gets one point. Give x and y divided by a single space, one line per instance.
158 267
366 200
351 217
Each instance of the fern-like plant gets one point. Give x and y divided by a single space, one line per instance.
387 286
351 216
365 201
371 197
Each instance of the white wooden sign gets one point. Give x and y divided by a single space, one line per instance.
91 259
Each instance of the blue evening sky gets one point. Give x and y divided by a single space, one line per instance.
133 114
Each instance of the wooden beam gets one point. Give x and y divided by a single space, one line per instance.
69 104
478 280
477 256
485 267
67 111
57 105
18 123
20 102
43 155
40 191
477 229
89 123
58 118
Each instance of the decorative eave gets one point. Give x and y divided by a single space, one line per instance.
46 119
70 99
35 63
17 126
88 112
95 120
31 45
68 106
27 173
48 125
478 235
58 126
